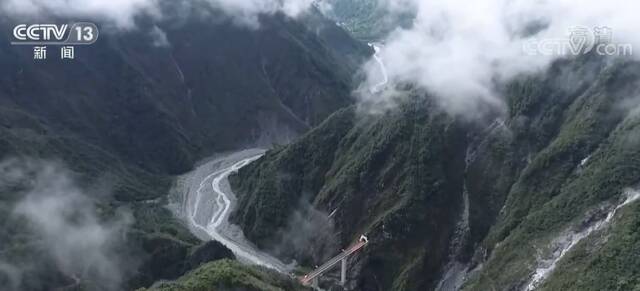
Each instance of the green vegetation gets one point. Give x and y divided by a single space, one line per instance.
554 193
399 177
129 115
368 20
225 275
605 261
388 176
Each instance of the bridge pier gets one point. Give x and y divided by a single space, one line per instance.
343 272
312 277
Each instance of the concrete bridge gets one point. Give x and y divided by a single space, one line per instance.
311 279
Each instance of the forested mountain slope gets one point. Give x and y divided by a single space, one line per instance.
133 109
488 204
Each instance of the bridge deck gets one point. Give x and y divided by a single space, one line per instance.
306 280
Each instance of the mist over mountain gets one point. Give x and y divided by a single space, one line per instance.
148 100
242 144
369 20
450 204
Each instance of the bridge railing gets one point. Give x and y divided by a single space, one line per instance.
311 277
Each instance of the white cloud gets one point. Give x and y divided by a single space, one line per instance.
123 12
459 51
293 8
159 37
120 12
83 244
246 12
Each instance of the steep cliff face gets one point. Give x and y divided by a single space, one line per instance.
380 175
141 105
580 174
164 105
368 20
450 203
